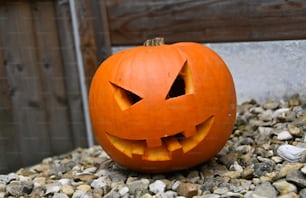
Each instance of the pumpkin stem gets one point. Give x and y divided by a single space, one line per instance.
154 42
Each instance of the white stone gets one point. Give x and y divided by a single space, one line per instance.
291 153
304 169
52 188
284 135
157 187
279 111
176 185
98 183
123 190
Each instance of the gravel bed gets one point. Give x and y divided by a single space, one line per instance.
264 157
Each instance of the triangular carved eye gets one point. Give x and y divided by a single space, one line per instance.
182 84
123 97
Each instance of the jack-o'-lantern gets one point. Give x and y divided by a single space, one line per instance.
162 107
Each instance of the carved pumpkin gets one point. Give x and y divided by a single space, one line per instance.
162 108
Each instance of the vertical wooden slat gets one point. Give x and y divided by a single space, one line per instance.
94 35
87 39
101 30
71 74
9 143
52 76
20 55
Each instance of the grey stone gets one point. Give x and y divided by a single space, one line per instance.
220 190
3 179
302 193
167 194
60 195
14 188
270 105
82 194
264 190
209 196
138 185
102 182
297 177
112 194
266 115
262 168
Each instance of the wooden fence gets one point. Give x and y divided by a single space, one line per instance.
41 111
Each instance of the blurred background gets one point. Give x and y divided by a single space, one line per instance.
49 51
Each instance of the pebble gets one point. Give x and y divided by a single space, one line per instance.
14 188
84 187
289 195
123 191
138 185
284 135
157 186
67 189
291 153
295 131
82 194
60 195
304 169
52 188
279 112
297 177
264 190
303 193
187 190
284 187
254 163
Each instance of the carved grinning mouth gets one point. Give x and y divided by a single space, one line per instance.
171 145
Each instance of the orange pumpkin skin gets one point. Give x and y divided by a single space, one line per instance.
162 108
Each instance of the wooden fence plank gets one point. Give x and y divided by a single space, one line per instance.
133 21
71 74
52 76
9 140
101 30
87 38
20 55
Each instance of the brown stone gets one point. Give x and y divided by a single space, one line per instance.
187 190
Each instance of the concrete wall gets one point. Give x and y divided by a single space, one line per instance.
264 70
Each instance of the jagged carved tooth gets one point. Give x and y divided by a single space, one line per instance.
172 144
190 131
154 142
